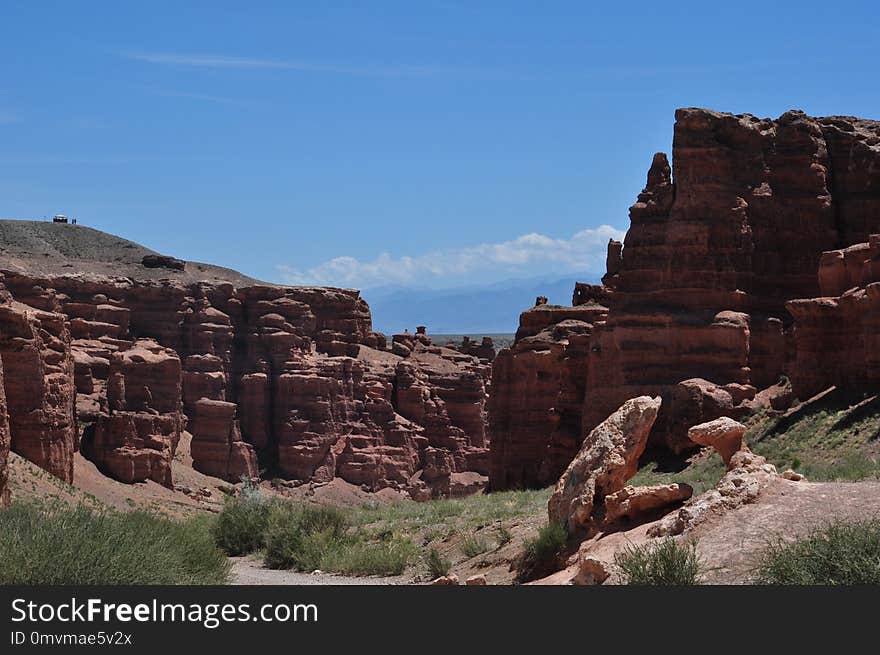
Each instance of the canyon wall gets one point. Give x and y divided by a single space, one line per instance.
696 295
287 381
837 335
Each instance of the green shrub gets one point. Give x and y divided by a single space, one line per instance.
285 540
61 545
241 524
307 538
664 563
474 545
504 536
541 553
841 553
437 565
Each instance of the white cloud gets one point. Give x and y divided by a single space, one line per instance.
529 254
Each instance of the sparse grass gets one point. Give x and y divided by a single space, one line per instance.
835 438
504 536
667 562
437 565
473 512
474 545
841 553
541 553
702 471
51 545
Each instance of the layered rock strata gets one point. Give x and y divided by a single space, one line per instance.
718 243
288 381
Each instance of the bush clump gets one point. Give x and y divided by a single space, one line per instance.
307 538
474 545
437 565
41 545
840 553
542 552
665 563
241 525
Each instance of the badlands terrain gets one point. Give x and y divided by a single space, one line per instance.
717 389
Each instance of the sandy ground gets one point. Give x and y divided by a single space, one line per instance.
729 543
249 571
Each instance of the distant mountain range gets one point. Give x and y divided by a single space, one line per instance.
478 309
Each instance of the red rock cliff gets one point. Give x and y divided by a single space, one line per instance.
717 244
284 379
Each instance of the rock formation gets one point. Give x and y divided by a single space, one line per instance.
287 380
636 503
135 439
837 336
748 475
4 445
536 404
608 458
38 384
724 435
718 243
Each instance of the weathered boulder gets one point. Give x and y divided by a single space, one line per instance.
724 434
608 458
640 503
591 571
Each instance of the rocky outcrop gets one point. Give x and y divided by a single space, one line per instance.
217 446
837 336
747 477
536 403
718 243
639 503
135 439
608 458
291 381
4 445
39 386
724 435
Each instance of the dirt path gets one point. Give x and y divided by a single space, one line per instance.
247 571
730 542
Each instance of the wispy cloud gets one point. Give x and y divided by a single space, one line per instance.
220 100
198 60
529 254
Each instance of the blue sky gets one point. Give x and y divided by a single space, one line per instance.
413 143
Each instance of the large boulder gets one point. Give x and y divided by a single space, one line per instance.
607 459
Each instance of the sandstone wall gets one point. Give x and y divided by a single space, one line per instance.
288 380
717 244
837 335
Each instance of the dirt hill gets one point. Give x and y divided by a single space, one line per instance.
46 248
